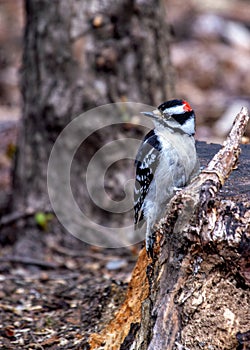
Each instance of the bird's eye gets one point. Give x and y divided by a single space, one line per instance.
186 106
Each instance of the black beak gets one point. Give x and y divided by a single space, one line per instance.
149 114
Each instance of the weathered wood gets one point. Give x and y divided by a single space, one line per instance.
198 290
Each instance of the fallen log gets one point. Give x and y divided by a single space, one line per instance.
195 293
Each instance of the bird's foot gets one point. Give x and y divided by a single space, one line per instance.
178 189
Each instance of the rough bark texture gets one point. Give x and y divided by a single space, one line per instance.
197 290
81 54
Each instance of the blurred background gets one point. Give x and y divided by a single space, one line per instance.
49 279
210 53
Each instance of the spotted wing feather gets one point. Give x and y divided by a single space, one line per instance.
146 163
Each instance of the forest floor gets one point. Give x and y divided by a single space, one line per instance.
54 289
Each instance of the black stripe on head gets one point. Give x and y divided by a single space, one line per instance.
182 118
169 104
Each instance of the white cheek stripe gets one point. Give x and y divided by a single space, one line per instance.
174 110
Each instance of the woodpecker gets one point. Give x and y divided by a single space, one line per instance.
166 161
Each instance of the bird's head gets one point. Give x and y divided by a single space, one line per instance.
175 114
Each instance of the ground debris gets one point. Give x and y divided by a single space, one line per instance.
53 307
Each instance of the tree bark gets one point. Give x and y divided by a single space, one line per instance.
79 55
195 292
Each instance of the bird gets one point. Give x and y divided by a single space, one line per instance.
165 162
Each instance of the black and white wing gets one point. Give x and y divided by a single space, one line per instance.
146 163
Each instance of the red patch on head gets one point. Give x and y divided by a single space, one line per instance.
187 107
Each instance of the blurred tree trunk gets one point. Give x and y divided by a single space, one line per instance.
79 55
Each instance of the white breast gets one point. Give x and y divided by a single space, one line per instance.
178 163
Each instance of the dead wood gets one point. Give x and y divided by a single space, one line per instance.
13 217
29 261
196 292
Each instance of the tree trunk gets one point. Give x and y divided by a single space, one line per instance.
195 293
79 55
